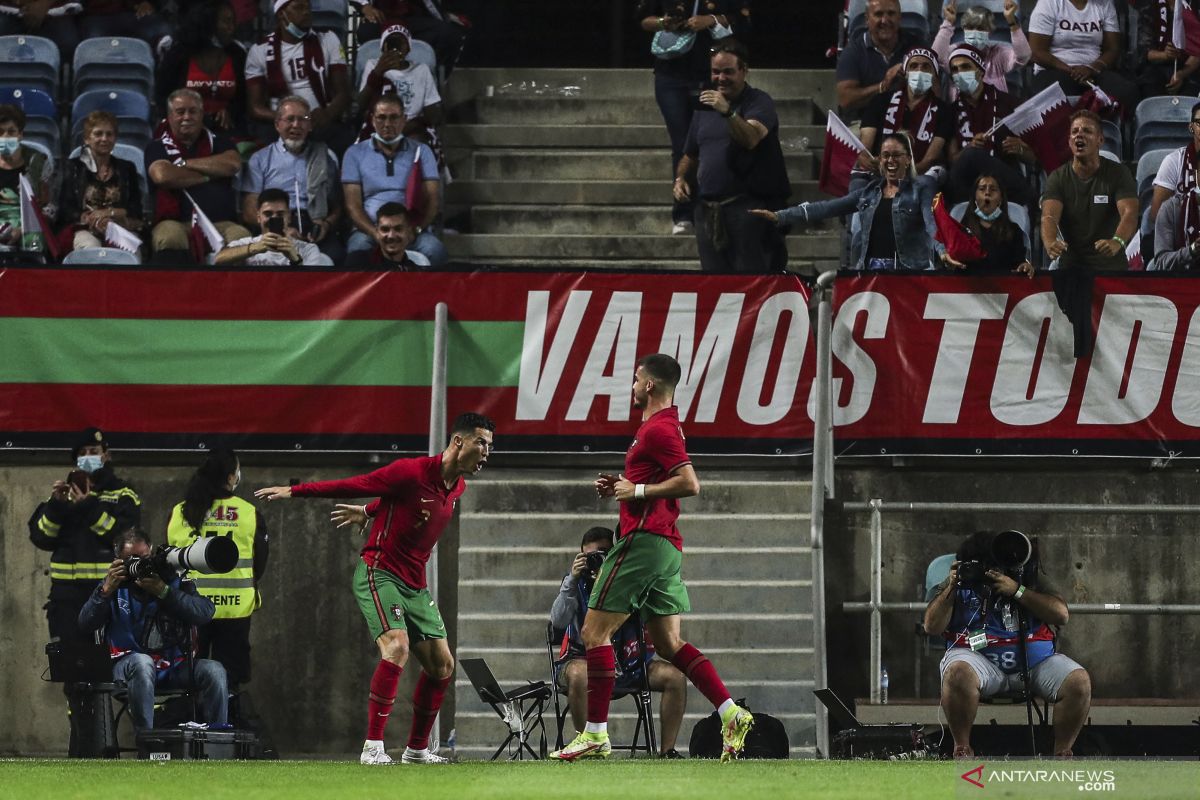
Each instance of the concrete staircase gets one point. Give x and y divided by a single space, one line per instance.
746 564
572 168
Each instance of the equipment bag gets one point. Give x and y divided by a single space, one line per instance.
767 739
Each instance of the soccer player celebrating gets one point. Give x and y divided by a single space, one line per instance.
641 573
416 498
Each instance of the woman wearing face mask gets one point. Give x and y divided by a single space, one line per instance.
915 110
895 227
1003 241
998 58
15 161
977 145
98 187
210 508
205 57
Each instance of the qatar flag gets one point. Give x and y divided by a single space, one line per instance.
1185 33
1043 122
961 244
841 152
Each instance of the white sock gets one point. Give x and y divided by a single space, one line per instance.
422 752
374 744
721 709
596 727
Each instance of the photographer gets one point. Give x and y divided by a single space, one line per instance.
567 615
147 622
993 592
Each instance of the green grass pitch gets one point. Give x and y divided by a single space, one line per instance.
619 778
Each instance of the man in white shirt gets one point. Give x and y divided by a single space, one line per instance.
276 246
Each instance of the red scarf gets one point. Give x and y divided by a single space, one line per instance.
899 117
978 119
169 204
314 67
1189 220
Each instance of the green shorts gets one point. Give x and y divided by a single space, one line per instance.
641 575
388 603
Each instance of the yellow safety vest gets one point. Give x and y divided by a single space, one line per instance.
233 593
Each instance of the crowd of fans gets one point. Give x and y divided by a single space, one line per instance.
251 111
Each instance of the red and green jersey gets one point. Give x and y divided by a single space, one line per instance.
411 511
657 451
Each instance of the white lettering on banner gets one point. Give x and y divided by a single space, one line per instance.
862 369
962 313
710 361
618 331
538 384
1185 400
1137 330
1019 363
754 376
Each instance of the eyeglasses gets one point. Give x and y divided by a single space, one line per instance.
892 156
294 120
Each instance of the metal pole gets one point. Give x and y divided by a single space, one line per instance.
1138 609
876 598
437 439
822 481
1030 508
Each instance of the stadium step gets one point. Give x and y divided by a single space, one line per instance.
512 109
588 165
467 246
705 531
652 134
733 561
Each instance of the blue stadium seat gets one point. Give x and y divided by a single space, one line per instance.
1161 122
1114 140
114 62
330 15
41 115
41 148
131 109
937 571
31 61
1147 169
132 154
102 255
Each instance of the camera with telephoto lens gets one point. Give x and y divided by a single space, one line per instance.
212 555
1007 551
594 560
971 574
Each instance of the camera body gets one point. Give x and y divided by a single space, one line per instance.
971 575
155 564
595 560
209 555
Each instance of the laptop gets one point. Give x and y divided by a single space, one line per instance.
75 662
837 709
488 687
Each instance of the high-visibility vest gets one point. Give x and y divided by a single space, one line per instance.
233 592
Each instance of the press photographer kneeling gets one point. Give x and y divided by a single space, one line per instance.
992 599
149 611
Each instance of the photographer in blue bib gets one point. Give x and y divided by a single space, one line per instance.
566 616
995 611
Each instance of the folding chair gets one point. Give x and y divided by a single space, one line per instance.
114 62
520 709
31 61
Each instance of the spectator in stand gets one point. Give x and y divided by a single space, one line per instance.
426 19
16 160
296 60
1076 43
976 145
54 19
1177 233
998 58
306 172
1163 68
395 232
414 84
136 19
914 109
206 58
896 229
678 81
278 245
190 158
99 188
1003 240
376 172
872 63
1177 172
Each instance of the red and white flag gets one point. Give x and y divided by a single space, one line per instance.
204 237
414 189
1185 29
121 237
1133 252
35 231
1044 122
841 152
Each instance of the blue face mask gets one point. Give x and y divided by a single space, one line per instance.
966 82
992 217
9 145
89 464
920 82
977 39
299 33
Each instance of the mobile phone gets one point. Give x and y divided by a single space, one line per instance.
275 225
79 479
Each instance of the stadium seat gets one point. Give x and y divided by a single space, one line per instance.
41 116
1161 122
1147 169
1114 140
102 255
939 568
30 61
114 62
41 148
330 15
131 109
132 154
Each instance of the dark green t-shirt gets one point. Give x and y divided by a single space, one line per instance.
1090 212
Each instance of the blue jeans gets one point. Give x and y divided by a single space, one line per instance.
426 243
674 97
137 671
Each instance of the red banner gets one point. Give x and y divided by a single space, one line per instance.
941 364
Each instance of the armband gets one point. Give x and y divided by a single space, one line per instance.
1019 592
1119 239
639 491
